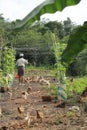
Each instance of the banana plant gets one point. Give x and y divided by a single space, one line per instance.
57 49
48 6
76 43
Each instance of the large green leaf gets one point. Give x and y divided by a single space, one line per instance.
48 6
77 42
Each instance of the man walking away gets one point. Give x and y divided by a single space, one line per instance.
20 63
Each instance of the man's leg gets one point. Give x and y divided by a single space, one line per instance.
19 80
22 79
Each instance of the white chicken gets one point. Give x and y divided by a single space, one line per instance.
28 119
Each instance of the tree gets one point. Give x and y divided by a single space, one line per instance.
68 26
3 34
50 6
56 27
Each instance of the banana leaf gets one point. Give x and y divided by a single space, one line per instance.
48 6
77 42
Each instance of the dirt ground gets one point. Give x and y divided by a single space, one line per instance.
52 117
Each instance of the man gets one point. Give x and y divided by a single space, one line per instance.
21 67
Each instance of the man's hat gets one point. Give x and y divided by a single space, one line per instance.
21 54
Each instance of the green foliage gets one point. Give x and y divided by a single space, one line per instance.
8 61
77 42
77 86
6 80
49 6
72 88
67 26
27 38
32 38
53 90
8 67
57 28
57 49
38 39
79 66
81 63
3 31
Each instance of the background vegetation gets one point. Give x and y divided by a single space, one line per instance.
37 44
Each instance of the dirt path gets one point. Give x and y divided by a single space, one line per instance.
52 117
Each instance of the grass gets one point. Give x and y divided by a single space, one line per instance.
77 86
42 70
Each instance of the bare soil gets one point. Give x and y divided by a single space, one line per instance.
54 117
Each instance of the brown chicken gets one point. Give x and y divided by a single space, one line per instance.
47 98
28 90
71 80
10 94
0 111
21 109
39 115
84 93
25 95
25 80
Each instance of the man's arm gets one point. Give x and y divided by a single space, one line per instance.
26 61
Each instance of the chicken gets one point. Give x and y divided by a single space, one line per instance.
74 108
28 90
0 111
84 93
84 99
71 80
25 95
27 80
10 94
47 98
42 80
28 119
34 78
21 109
47 82
39 115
